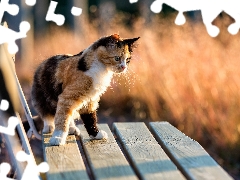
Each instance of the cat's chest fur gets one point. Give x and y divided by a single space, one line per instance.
101 79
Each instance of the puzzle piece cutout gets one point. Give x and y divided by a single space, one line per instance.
51 16
4 170
231 7
12 123
76 11
12 9
30 2
209 10
59 19
9 36
32 170
133 1
4 105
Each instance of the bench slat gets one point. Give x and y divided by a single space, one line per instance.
65 162
187 154
144 152
105 158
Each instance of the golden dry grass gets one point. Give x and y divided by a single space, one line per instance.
178 74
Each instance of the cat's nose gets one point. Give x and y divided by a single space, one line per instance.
123 67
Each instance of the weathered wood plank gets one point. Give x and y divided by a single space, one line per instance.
105 158
145 154
65 161
188 155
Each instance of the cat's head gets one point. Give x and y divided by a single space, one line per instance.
115 52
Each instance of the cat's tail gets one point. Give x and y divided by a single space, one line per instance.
38 122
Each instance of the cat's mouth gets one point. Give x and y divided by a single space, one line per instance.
121 69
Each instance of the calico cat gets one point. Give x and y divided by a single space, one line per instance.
66 84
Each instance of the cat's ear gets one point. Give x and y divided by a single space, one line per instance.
130 43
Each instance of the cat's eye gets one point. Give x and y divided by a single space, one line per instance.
117 58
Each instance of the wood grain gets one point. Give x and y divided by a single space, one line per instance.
144 152
105 158
188 155
65 161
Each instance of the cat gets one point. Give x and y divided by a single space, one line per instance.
67 84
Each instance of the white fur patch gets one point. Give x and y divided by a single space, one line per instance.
101 79
100 135
58 138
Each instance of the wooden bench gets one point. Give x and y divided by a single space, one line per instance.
132 151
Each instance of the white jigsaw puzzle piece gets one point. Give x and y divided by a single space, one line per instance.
51 16
12 123
133 1
31 169
232 8
4 105
76 11
30 2
4 170
210 9
12 9
9 36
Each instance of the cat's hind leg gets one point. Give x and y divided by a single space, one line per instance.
73 129
90 123
48 122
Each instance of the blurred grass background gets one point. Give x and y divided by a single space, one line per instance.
177 74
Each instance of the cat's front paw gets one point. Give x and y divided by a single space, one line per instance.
58 138
74 130
100 135
48 129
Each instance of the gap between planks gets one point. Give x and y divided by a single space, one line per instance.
144 153
105 158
